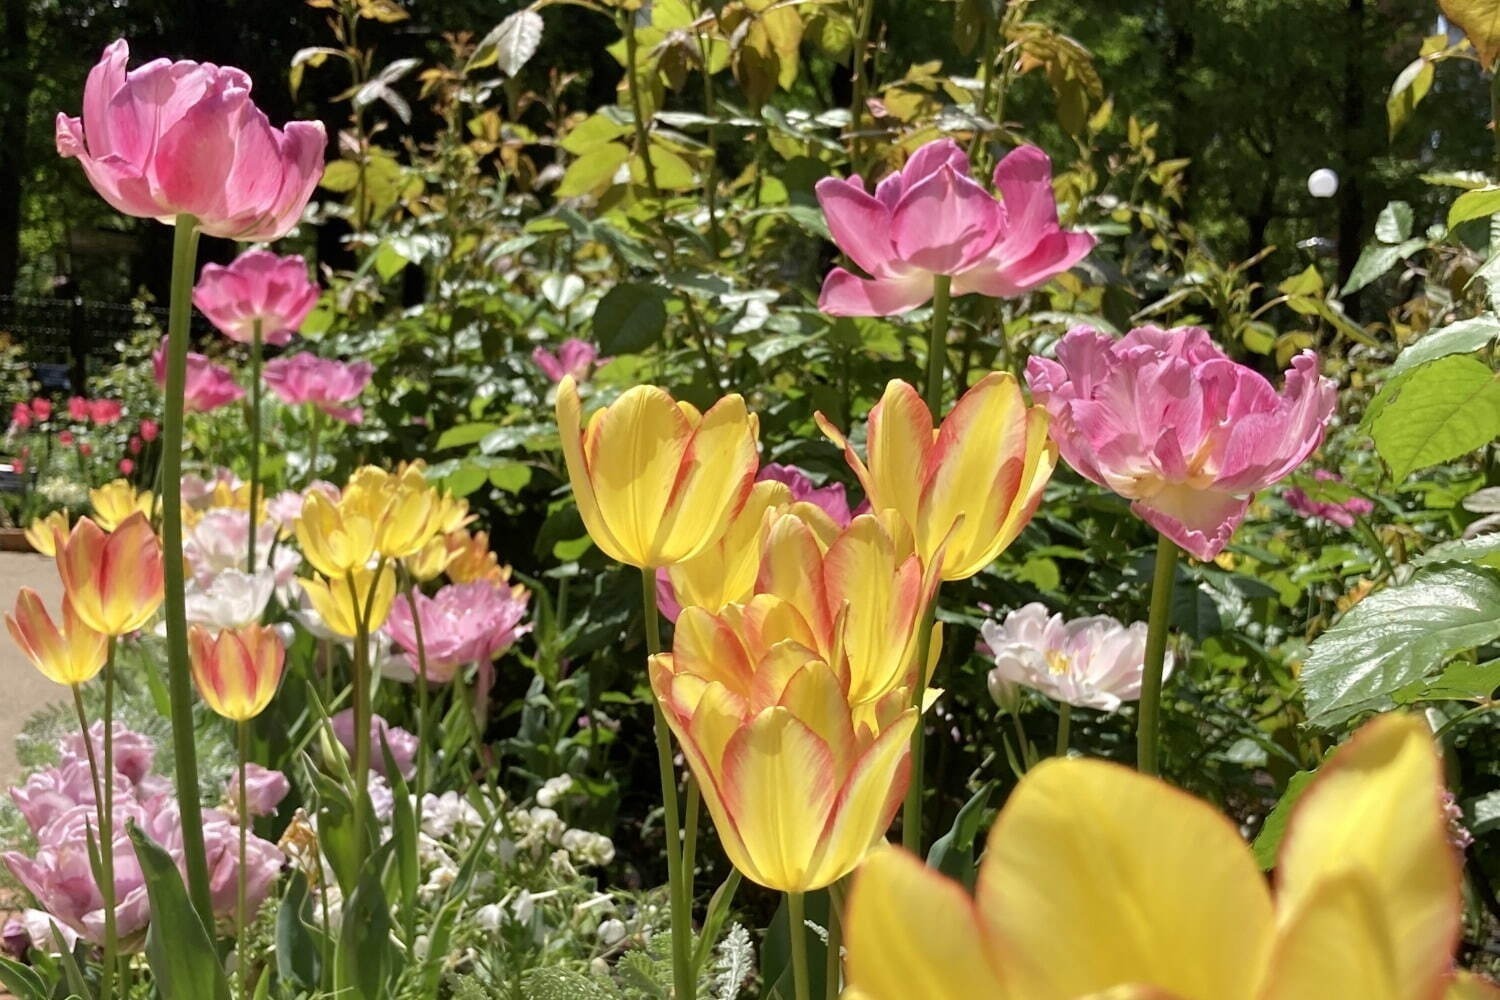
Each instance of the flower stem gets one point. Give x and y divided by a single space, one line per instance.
362 708
1156 651
690 838
107 818
833 960
685 988
314 433
860 55
179 682
911 810
632 70
107 893
937 345
796 926
255 354
1064 728
241 901
416 624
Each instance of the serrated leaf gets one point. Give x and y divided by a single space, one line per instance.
1481 551
1394 223
593 170
1411 85
630 318
1376 259
1462 681
510 44
1435 413
1474 205
1397 636
1463 337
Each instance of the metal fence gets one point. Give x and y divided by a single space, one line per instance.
64 337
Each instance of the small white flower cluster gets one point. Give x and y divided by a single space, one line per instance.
588 848
553 790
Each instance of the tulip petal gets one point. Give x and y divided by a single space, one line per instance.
712 477
1375 811
779 786
905 924
1153 879
1339 934
860 225
900 437
945 222
845 294
1201 521
868 801
1468 986
1024 179
569 422
884 600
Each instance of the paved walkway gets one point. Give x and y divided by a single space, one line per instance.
23 691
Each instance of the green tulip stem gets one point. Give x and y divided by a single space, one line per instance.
1157 627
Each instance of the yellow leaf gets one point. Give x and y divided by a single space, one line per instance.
1480 20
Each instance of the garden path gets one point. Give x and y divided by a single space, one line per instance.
23 691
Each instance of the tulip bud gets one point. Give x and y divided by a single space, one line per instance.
238 670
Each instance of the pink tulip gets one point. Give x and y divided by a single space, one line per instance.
20 417
832 498
932 218
402 743
301 379
173 138
1093 662
264 790
208 387
258 287
78 408
134 753
463 623
149 430
1166 420
574 357
105 411
1342 513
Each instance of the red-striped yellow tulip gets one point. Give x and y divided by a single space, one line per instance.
115 579
115 501
967 488
46 534
861 592
800 783
68 655
1100 882
343 600
655 481
724 573
238 670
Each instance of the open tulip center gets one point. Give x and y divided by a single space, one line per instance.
1058 663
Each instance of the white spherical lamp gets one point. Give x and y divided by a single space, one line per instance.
1323 183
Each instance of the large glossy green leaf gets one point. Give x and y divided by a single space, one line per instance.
630 318
364 962
1397 636
298 946
1463 337
179 949
1435 413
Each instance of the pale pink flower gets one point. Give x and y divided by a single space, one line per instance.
1093 662
198 491
134 753
208 386
402 743
172 138
221 836
933 218
264 789
1166 420
256 287
303 379
574 357
462 623
1340 512
217 542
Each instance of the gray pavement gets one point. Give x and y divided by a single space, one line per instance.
23 691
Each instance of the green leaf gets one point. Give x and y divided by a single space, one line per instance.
21 981
1435 413
1394 223
364 960
1462 681
953 852
1375 260
1407 92
1480 20
1479 204
1464 337
404 836
1397 636
1483 813
464 434
511 43
630 318
714 917
298 953
1268 841
178 948
593 170
1483 550
593 132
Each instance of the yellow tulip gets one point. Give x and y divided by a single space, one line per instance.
967 488
46 534
341 601
404 511
237 671
655 481
1100 882
862 593
429 563
800 784
115 580
335 538
471 558
68 655
115 501
725 572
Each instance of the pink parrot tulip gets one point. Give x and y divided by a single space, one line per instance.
303 379
257 287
